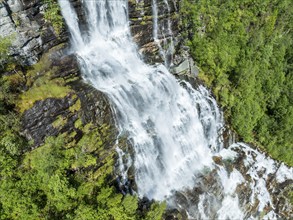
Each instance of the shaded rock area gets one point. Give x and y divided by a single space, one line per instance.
54 116
38 120
23 21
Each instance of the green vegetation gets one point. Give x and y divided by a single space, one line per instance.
40 79
70 176
244 51
64 179
49 89
5 43
76 106
53 15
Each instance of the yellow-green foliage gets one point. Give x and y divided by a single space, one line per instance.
244 51
76 106
53 15
49 89
65 180
14 80
59 122
43 67
41 85
5 43
78 123
156 212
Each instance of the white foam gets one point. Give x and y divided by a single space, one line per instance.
284 173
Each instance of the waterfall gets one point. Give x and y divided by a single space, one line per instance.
163 36
174 129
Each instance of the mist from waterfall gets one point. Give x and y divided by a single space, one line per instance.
174 129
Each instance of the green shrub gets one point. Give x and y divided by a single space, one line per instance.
53 15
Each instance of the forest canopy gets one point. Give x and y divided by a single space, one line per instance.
244 50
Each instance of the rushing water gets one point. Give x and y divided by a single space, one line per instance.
174 129
162 34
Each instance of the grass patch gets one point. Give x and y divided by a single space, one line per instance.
50 89
59 122
76 107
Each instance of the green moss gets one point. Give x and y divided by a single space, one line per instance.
50 89
59 122
53 16
72 134
72 79
76 107
38 70
14 80
78 123
5 44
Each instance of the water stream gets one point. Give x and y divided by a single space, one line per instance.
175 130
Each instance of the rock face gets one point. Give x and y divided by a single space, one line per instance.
81 106
143 15
23 21
52 116
155 29
33 38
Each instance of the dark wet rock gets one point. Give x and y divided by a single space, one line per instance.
37 121
67 66
141 25
95 107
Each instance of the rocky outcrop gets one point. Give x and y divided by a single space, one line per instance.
23 21
81 105
34 40
142 20
168 47
53 116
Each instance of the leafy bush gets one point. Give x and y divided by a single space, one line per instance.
53 15
5 43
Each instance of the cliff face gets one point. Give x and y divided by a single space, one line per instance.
53 99
23 21
148 22
159 36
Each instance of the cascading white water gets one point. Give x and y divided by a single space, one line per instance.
174 129
163 35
